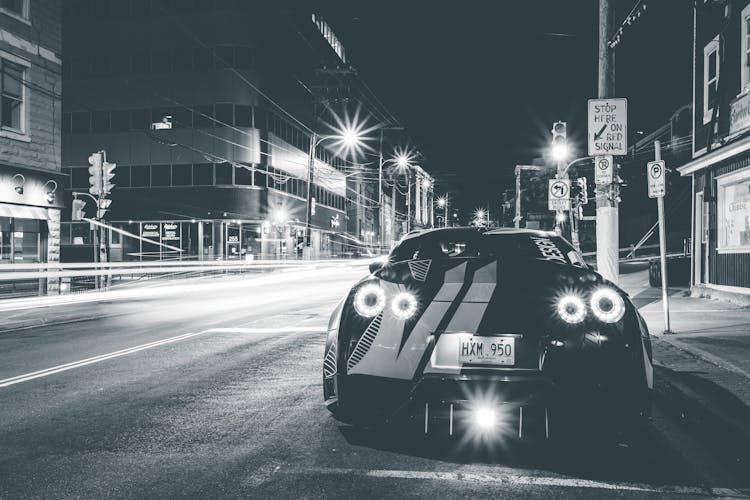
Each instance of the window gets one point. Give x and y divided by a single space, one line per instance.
122 177
243 116
243 58
16 8
224 114
81 67
224 173
710 78
160 175
12 95
182 118
100 121
183 60
203 58
120 121
182 175
243 177
203 174
139 175
140 119
141 62
79 178
161 62
224 57
203 116
745 56
81 122
733 201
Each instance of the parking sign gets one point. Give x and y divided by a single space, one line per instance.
603 170
656 179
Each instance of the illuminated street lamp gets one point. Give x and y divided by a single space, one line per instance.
442 202
350 136
479 215
560 152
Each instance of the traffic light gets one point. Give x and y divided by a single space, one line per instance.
95 174
108 172
583 194
77 211
103 208
559 147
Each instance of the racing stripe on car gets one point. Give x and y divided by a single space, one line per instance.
365 342
329 362
419 269
383 360
475 301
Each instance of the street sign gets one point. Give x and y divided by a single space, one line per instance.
608 127
656 179
603 171
559 194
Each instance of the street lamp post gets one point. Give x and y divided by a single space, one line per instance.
349 138
442 202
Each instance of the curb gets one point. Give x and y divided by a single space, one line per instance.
715 420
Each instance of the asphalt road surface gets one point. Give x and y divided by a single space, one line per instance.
212 389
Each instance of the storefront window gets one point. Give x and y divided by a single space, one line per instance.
734 212
5 239
20 240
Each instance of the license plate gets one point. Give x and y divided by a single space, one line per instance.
487 350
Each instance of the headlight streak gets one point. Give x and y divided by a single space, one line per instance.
607 305
404 305
571 309
369 300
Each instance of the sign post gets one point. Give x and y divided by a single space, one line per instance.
559 194
604 171
657 189
607 137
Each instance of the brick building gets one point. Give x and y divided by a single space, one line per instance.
30 179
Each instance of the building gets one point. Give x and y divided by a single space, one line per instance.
209 114
720 165
30 177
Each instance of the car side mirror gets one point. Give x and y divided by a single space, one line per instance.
376 266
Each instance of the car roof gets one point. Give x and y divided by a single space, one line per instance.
458 231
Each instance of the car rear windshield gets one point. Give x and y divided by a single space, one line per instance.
512 246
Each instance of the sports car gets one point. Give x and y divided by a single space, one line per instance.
504 330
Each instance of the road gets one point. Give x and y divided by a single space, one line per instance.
213 390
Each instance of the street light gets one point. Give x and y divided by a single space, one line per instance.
350 136
560 152
442 202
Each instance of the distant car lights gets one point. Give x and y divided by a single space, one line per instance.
607 305
404 305
369 300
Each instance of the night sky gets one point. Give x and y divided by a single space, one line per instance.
479 83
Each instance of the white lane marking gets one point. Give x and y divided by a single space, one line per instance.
130 350
521 480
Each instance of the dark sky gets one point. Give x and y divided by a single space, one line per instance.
479 83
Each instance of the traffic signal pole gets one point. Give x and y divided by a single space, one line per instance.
607 217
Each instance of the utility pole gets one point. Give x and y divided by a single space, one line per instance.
380 193
408 202
308 211
607 217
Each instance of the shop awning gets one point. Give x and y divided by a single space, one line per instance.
23 211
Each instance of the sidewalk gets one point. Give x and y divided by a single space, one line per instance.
702 369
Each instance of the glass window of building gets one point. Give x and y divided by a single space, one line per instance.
140 119
17 7
5 239
224 173
224 114
182 175
81 122
26 240
182 117
243 58
101 65
203 174
141 62
122 176
121 64
100 121
12 94
243 176
243 115
161 175
139 175
120 121
203 116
